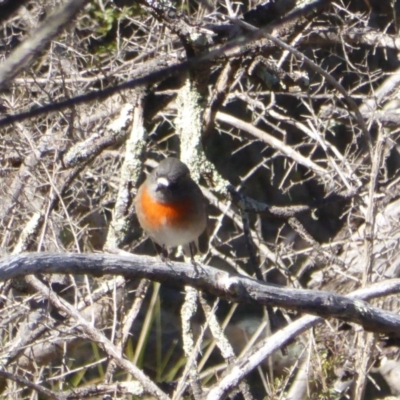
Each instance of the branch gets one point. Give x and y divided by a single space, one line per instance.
232 49
130 173
357 36
96 336
46 393
245 364
273 142
25 54
338 86
230 287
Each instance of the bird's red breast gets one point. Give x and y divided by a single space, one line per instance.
156 214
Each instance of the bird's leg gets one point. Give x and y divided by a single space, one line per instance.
162 252
164 255
192 249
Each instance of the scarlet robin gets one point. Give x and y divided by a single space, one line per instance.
170 206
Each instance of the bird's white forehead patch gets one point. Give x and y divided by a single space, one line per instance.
162 181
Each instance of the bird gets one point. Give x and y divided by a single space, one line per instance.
171 208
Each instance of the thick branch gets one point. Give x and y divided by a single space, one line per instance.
230 287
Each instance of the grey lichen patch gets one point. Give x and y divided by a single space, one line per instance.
199 39
229 284
123 121
187 311
116 233
361 306
327 300
189 127
118 129
134 388
81 151
130 174
29 232
132 167
303 3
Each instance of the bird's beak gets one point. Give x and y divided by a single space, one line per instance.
162 183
